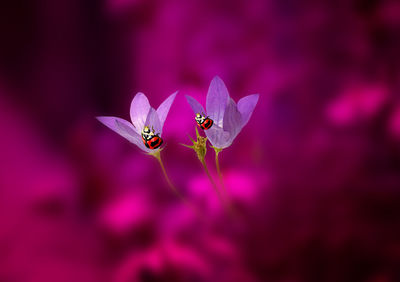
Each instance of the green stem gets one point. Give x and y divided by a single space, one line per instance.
220 197
214 185
172 186
221 179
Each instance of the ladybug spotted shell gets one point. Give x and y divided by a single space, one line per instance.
153 143
206 124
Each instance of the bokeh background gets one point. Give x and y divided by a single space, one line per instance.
315 175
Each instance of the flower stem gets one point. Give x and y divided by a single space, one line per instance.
173 188
200 147
214 185
221 198
221 179
157 155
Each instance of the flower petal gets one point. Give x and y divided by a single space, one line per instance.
153 121
196 106
123 128
246 107
217 98
232 119
139 111
218 137
163 109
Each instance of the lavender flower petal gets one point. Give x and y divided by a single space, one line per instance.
218 137
232 119
139 111
246 106
196 106
123 128
153 121
163 109
217 98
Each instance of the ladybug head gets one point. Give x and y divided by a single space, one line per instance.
147 133
200 118
146 130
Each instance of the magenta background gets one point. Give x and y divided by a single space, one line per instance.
315 173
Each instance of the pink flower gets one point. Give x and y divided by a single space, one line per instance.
228 117
142 114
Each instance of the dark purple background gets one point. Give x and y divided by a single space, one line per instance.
315 174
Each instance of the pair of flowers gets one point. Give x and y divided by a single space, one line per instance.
228 117
222 122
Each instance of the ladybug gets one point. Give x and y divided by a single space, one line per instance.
203 121
151 140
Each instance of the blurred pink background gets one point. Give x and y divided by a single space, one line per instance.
315 174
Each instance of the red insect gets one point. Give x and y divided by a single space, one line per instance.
151 140
203 121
